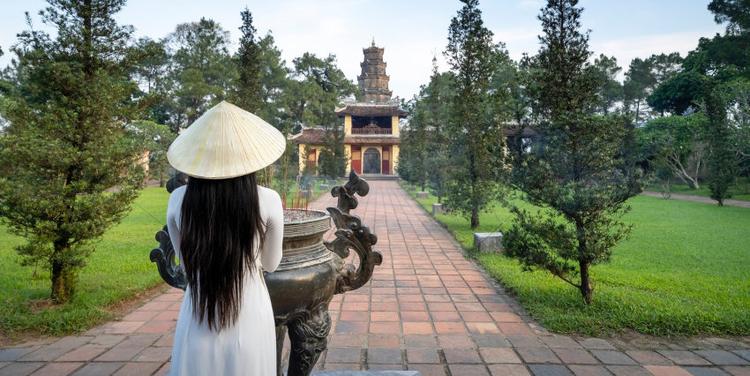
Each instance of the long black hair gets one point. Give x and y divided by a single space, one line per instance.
220 227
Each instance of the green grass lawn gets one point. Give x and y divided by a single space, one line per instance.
119 269
739 191
685 270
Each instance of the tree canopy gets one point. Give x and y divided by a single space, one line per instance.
577 169
475 122
70 164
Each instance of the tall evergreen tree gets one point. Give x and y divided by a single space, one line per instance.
439 101
154 82
722 160
248 88
424 158
71 165
576 171
332 158
642 78
475 132
408 158
413 156
610 89
274 77
316 87
202 69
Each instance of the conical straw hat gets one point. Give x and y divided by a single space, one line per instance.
226 142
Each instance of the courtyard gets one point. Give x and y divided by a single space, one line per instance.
556 188
427 308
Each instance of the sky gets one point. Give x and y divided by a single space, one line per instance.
412 31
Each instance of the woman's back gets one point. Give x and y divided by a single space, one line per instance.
225 230
246 346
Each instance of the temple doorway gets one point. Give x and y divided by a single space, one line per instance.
371 161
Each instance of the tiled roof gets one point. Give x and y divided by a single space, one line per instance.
371 109
310 136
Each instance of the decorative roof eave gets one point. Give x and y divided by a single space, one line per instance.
309 136
371 109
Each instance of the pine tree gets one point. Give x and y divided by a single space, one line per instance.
577 170
202 71
722 162
475 133
72 167
249 88
332 157
413 157
439 99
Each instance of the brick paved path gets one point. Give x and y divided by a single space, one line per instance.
701 199
427 308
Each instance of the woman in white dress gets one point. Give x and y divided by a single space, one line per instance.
225 230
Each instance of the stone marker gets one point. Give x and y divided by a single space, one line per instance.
367 373
437 209
422 194
488 241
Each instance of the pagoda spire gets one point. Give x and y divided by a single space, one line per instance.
373 82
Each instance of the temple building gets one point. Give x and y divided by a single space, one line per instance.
371 124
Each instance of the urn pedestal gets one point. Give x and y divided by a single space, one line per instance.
310 273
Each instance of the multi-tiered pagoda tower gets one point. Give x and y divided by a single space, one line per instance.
373 82
371 124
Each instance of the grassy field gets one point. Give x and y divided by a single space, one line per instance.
685 270
739 191
119 269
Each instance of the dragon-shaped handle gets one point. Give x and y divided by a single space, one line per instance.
164 255
351 234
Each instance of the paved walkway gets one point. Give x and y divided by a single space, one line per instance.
427 308
701 199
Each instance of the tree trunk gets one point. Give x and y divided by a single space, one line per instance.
474 217
637 110
667 189
587 292
63 282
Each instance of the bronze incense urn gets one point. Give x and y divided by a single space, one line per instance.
311 271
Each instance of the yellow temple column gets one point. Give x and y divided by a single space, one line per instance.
347 125
394 125
394 158
301 158
348 154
